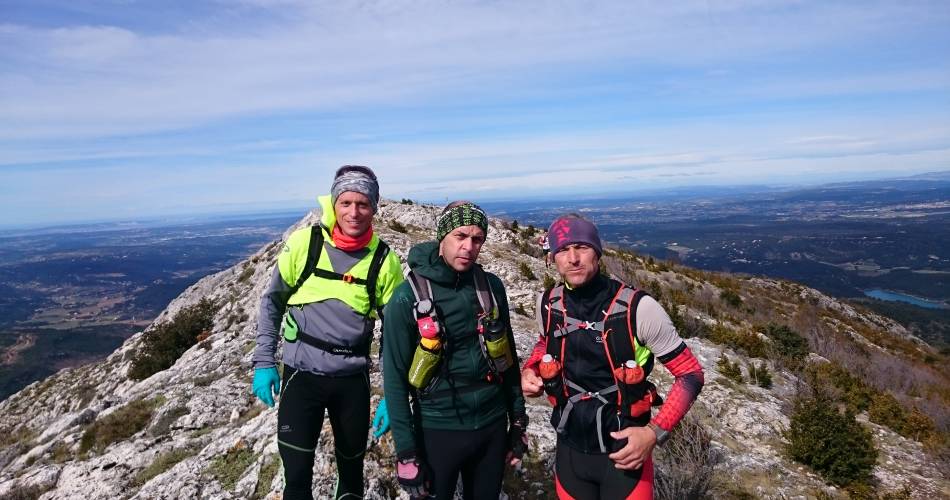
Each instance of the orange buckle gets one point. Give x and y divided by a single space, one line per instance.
348 278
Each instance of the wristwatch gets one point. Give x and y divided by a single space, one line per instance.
662 435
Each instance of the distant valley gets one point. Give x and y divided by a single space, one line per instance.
864 241
72 294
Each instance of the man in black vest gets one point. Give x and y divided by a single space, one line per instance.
598 342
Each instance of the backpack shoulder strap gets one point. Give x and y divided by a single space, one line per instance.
548 302
314 250
372 277
553 301
420 286
483 291
620 344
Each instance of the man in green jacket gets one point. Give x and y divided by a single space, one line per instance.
329 284
467 412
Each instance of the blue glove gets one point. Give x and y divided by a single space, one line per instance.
266 384
381 422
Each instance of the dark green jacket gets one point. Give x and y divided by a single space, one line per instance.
455 301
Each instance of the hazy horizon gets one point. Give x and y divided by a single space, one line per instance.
118 109
276 210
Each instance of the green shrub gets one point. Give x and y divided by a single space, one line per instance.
885 410
162 463
118 425
548 282
514 225
266 477
687 326
747 342
246 273
17 437
731 297
678 321
60 453
31 492
831 442
526 271
653 288
760 375
519 309
229 467
527 248
902 494
787 343
166 342
729 369
397 226
848 388
406 201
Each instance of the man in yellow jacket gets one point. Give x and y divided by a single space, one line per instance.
330 283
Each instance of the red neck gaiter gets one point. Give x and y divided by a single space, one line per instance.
350 243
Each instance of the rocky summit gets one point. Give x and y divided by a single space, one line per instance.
194 430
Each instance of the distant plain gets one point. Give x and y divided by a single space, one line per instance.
861 241
73 294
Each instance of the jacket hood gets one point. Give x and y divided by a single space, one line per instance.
328 217
425 260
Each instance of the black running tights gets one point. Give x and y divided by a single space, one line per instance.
478 455
303 399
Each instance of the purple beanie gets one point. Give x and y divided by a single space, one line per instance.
569 229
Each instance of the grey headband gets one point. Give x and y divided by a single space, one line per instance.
358 179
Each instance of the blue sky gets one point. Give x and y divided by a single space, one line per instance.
125 109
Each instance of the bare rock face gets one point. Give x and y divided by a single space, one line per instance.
205 436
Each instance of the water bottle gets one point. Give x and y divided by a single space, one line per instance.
424 362
629 376
550 371
496 343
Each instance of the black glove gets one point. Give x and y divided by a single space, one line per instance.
412 474
517 438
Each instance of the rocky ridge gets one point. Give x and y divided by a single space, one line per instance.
207 437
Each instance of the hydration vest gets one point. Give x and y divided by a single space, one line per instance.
618 333
312 269
491 331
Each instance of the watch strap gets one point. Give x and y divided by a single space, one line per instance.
662 435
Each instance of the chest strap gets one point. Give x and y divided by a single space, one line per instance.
315 249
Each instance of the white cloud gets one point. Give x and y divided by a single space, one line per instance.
447 98
89 81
